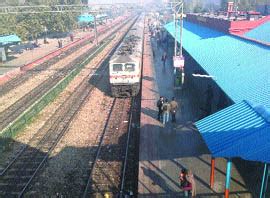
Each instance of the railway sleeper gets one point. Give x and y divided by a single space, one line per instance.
19 175
9 194
16 187
29 164
27 170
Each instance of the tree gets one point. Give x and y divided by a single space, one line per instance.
31 26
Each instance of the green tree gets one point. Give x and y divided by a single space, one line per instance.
33 25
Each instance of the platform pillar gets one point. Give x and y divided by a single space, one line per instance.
212 174
228 177
265 178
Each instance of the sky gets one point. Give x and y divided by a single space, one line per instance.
138 1
113 1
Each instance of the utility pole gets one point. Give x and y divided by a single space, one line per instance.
178 59
175 29
96 34
181 29
178 9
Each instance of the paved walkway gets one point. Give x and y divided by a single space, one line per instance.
164 151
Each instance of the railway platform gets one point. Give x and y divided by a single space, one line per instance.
165 150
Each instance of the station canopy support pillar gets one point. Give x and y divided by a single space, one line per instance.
212 174
228 177
265 178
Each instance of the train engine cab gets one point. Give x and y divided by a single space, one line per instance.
125 78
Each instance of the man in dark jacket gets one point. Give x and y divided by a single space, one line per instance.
160 103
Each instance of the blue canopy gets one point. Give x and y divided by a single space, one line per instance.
9 39
85 18
241 130
240 67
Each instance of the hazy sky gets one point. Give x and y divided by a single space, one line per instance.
114 1
139 1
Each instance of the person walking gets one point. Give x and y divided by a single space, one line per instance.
160 103
164 58
166 111
174 107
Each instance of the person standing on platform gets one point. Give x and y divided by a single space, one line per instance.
184 183
71 37
59 44
174 107
166 111
164 58
160 103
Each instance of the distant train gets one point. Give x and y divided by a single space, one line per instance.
126 63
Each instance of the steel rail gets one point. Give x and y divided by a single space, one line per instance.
63 130
126 151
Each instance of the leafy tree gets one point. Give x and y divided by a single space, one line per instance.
31 26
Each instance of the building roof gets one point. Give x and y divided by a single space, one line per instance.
239 67
85 18
9 39
241 130
261 33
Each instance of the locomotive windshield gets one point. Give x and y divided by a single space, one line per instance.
117 67
130 67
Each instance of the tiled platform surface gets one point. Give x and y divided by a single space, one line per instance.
165 150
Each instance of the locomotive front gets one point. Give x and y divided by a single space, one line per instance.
125 64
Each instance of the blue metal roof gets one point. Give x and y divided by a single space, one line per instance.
85 18
8 39
241 130
261 33
240 68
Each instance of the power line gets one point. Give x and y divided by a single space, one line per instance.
34 9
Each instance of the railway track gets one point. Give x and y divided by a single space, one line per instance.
18 175
105 172
110 168
15 82
108 174
15 110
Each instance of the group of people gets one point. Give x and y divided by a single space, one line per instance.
166 108
187 182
